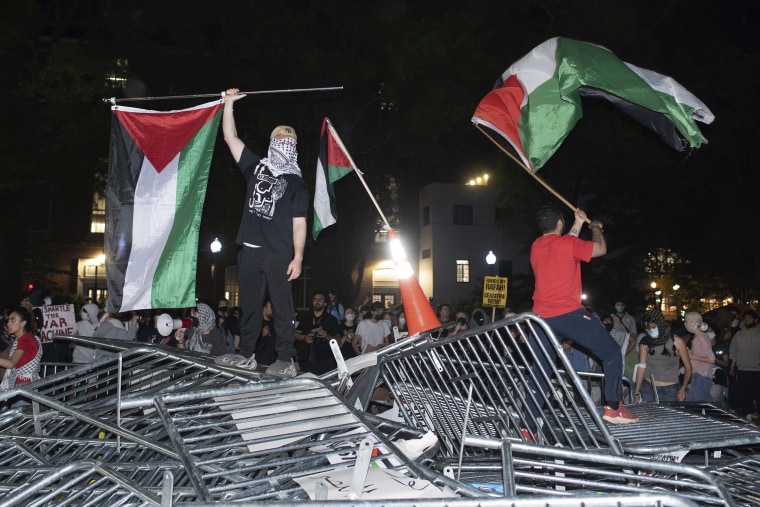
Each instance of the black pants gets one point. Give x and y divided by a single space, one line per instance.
748 387
261 272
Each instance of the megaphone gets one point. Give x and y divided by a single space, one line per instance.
165 324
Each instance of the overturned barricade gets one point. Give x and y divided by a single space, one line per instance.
149 426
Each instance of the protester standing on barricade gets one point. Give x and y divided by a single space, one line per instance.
660 356
555 258
272 235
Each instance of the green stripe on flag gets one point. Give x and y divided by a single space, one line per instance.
176 272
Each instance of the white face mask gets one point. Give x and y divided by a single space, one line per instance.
402 321
85 316
48 301
654 333
711 335
703 326
350 317
735 323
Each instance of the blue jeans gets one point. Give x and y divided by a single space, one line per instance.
664 393
700 388
587 331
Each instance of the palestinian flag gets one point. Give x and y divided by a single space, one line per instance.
334 162
537 101
157 175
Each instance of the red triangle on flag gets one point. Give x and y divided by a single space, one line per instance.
160 136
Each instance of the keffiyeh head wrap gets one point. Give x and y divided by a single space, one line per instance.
282 157
658 318
206 318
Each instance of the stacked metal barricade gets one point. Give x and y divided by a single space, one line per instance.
153 427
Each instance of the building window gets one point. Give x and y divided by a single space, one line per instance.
426 253
381 236
463 271
98 220
462 215
426 215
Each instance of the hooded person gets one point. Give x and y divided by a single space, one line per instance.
702 358
86 327
206 337
660 356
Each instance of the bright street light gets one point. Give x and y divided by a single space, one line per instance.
216 246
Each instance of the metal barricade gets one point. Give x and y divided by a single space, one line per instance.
508 379
108 433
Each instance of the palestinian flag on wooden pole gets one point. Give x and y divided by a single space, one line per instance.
537 101
334 162
157 175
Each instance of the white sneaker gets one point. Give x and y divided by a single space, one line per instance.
237 361
282 369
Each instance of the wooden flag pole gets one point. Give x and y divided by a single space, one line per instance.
358 172
535 176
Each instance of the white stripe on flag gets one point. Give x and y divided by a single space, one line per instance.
155 204
322 197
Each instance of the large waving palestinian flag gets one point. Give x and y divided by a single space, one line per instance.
157 175
537 101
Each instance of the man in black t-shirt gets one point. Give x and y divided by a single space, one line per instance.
272 235
314 332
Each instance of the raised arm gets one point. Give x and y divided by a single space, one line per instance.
229 130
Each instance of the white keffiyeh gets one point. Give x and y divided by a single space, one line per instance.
282 157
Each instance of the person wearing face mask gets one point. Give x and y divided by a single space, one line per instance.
623 321
272 235
701 356
744 354
625 340
659 353
371 334
402 327
462 320
347 331
86 327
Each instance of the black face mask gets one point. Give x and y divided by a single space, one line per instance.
608 326
461 321
749 325
196 322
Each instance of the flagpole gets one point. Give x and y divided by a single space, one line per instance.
114 100
357 171
535 176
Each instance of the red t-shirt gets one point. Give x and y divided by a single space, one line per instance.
29 345
556 264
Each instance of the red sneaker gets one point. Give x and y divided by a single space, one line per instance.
620 416
528 437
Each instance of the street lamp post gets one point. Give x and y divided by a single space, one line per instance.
216 247
491 260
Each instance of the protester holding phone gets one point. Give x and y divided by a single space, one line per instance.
313 335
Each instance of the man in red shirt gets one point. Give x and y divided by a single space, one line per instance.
556 258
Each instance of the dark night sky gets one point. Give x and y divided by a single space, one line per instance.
413 73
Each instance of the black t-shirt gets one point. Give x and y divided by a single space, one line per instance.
270 206
322 358
348 333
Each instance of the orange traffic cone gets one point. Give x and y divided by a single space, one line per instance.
419 314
